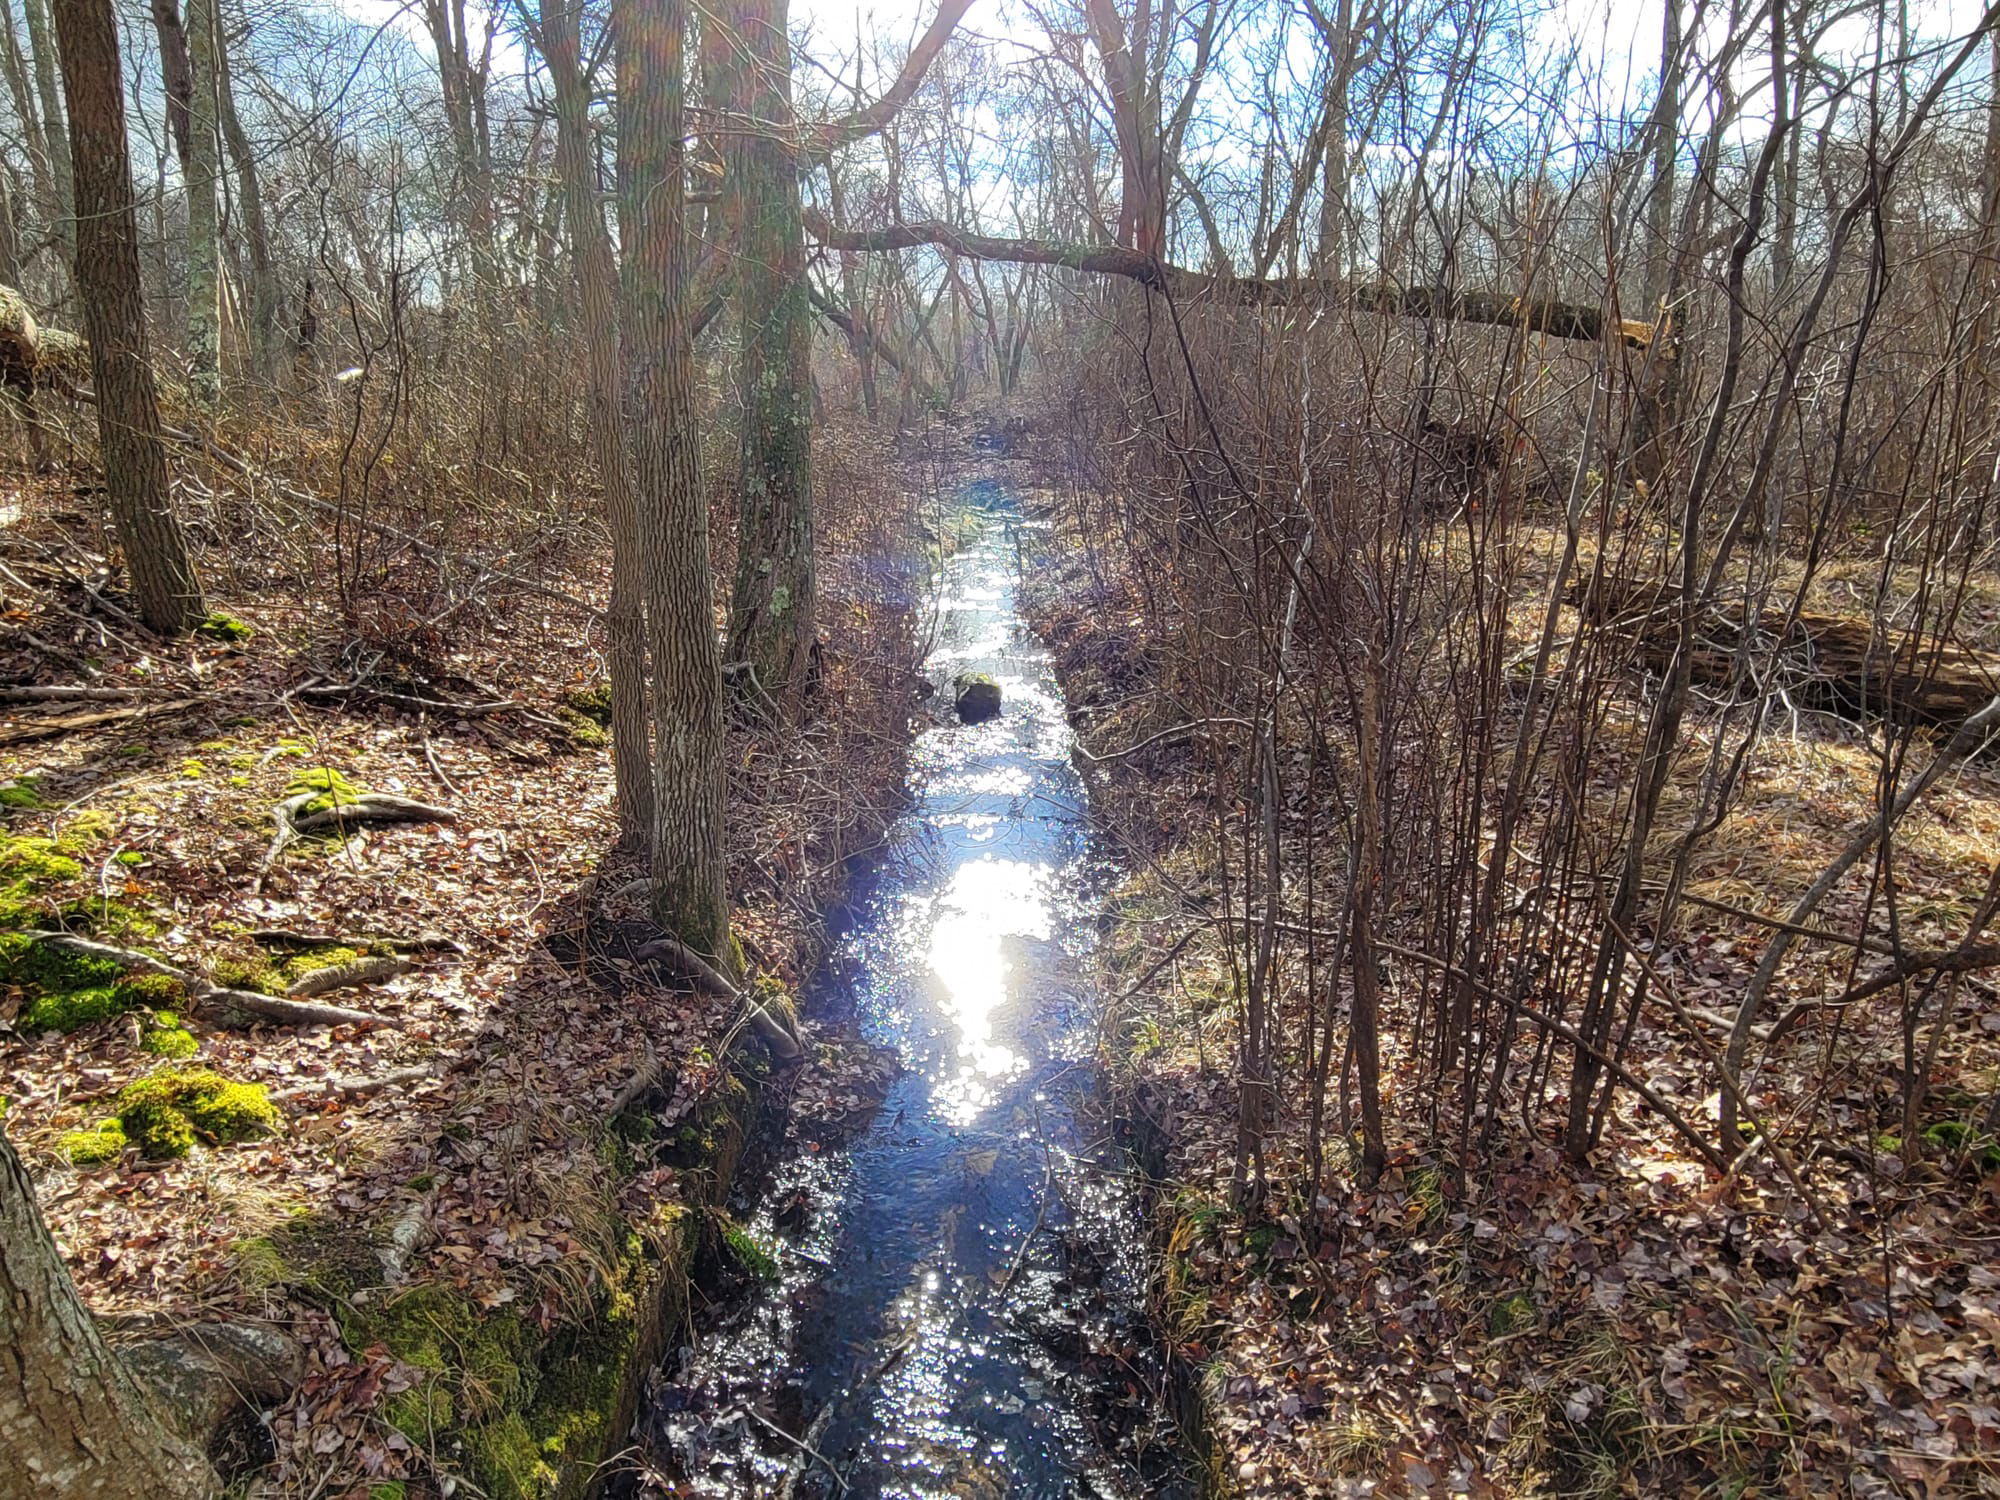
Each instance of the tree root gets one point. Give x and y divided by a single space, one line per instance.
369 807
774 1033
234 1008
345 976
372 807
350 1088
425 942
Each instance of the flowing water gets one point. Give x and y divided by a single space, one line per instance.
959 1306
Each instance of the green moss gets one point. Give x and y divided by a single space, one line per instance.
508 1460
581 731
592 703
260 1264
130 858
29 869
330 788
166 1037
238 966
436 1328
777 1000
103 1142
241 721
192 769
160 992
66 1010
302 963
22 793
84 832
221 627
744 1249
1511 1314
388 1489
422 1413
165 1113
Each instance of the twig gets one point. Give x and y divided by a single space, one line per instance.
64 692
349 1088
797 1442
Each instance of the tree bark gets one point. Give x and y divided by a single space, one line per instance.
164 584
597 284
203 167
264 310
176 72
690 897
771 610
73 1421
20 90
54 130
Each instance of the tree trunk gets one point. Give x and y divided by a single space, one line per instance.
597 282
54 132
1666 157
73 1421
114 320
264 310
20 90
771 610
204 329
690 895
176 73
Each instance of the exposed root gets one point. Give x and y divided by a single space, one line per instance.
772 1031
424 942
228 1007
352 1088
346 976
372 807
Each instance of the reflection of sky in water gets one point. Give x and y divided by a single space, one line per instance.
922 1246
988 900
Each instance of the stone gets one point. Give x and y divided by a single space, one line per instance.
978 697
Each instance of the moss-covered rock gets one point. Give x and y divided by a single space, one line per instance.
22 794
977 697
226 628
166 1112
101 1143
327 786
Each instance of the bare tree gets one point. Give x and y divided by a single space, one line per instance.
164 584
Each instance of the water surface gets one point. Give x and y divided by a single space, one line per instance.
960 1309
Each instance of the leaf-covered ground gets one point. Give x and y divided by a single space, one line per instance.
1514 1324
457 1136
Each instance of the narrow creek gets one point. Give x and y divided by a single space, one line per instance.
959 1304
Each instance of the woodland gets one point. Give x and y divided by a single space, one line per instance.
1504 486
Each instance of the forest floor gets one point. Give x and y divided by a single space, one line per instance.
1528 1326
455 1121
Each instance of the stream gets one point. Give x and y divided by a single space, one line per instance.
959 1306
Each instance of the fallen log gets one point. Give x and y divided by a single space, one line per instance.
20 732
1844 664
